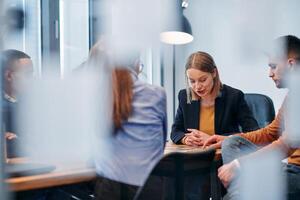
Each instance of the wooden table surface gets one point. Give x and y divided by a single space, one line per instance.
64 174
72 173
171 147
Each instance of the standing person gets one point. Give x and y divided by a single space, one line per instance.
282 63
16 67
139 134
208 107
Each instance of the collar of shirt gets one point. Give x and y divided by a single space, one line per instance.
134 75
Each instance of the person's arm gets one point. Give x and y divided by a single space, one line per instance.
178 131
164 115
268 134
271 132
281 145
245 116
261 136
227 172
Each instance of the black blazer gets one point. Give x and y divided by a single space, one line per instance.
231 113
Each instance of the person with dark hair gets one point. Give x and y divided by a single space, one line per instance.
139 131
16 66
283 61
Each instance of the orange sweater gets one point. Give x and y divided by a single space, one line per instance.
207 120
274 134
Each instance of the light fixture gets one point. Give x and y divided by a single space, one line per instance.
182 34
184 4
177 29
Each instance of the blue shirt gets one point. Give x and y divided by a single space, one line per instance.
139 144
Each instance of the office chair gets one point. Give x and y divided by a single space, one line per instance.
179 165
262 108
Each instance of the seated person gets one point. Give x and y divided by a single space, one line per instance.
273 137
16 66
208 107
139 134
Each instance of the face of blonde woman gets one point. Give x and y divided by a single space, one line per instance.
200 82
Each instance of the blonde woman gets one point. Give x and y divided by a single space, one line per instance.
208 107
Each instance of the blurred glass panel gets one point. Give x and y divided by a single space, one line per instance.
262 177
293 125
2 190
28 39
63 120
74 34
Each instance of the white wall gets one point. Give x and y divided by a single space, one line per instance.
74 34
28 39
236 33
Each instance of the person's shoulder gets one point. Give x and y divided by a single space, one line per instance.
229 90
152 89
155 95
182 93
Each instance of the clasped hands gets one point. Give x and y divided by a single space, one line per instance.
195 138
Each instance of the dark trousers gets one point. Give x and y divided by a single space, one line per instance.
107 189
195 187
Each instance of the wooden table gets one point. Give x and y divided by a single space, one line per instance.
65 174
171 148
215 182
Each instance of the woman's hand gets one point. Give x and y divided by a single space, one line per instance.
189 140
195 137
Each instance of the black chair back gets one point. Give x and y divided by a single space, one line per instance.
262 108
177 165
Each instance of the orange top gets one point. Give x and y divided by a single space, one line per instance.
207 119
274 134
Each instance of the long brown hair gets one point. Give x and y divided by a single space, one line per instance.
122 95
122 82
202 61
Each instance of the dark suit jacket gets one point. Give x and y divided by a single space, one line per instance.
231 113
10 125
